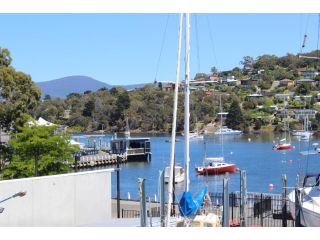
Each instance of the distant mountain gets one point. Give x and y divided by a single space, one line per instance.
73 84
76 84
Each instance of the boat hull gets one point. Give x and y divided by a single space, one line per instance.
282 147
216 170
177 179
310 213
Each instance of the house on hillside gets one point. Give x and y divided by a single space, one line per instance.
168 87
306 81
284 113
303 98
300 114
254 96
4 137
309 74
282 96
247 83
286 83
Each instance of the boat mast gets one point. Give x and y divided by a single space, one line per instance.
221 135
186 104
174 125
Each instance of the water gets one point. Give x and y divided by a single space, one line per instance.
263 165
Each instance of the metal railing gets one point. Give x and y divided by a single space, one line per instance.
262 209
133 151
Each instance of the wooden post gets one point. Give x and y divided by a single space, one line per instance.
297 222
143 209
284 201
226 200
150 212
76 160
243 198
162 205
261 210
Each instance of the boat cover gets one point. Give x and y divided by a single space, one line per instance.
189 206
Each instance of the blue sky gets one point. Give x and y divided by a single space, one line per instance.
125 48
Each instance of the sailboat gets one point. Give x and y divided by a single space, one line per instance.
304 134
216 165
188 206
309 201
284 144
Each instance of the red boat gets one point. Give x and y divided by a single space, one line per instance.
285 146
215 165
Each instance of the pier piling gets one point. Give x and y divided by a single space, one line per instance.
226 200
162 205
143 209
284 201
243 198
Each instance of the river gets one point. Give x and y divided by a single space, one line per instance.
252 153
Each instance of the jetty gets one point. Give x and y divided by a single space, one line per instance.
100 159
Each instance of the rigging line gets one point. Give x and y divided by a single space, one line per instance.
212 42
197 41
162 45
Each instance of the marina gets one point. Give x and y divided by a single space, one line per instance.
264 165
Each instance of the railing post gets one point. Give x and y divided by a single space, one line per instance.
150 212
243 198
226 200
162 205
284 201
118 187
143 209
261 210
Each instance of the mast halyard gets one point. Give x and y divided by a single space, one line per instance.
186 105
174 124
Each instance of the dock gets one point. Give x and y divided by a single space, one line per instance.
100 159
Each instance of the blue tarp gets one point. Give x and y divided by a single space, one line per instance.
188 205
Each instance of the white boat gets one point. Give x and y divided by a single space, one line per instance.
178 174
309 199
224 130
194 136
305 134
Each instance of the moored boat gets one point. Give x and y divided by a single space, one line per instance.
215 165
283 145
178 174
309 201
224 130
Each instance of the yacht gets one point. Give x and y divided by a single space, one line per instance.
309 201
224 130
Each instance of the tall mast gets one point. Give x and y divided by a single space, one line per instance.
174 124
186 104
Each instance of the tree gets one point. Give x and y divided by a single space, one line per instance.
38 151
88 108
18 94
214 70
247 61
234 118
47 97
303 89
5 58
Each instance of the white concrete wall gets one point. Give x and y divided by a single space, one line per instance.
76 199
